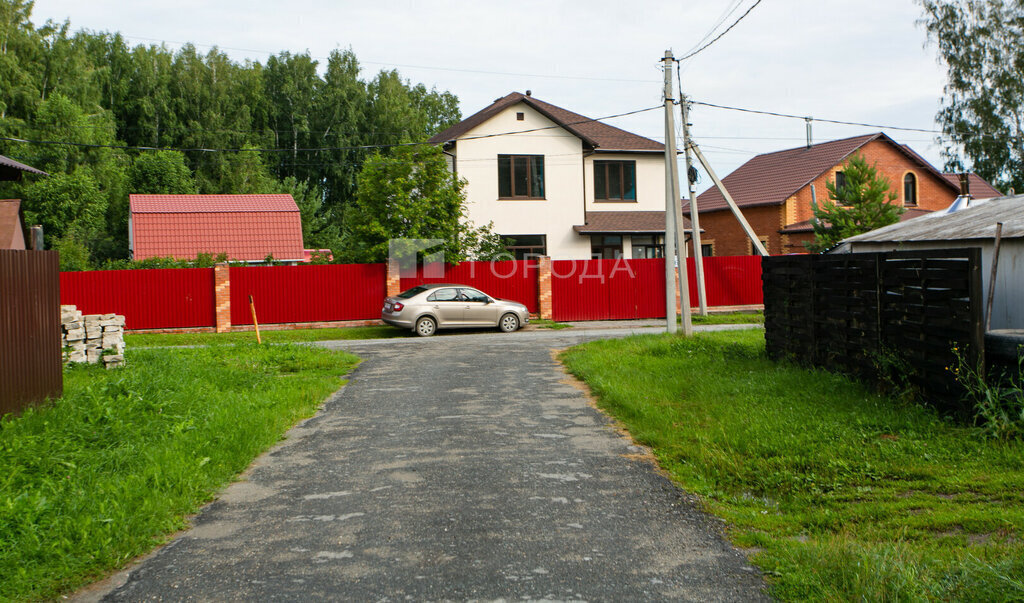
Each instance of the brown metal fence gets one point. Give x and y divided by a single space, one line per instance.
30 354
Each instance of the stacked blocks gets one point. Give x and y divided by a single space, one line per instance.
90 338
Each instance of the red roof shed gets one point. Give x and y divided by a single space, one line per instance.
245 227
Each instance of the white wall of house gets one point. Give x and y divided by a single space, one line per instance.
650 182
561 209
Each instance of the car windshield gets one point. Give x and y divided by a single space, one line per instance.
412 292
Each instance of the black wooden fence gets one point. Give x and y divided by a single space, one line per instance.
869 313
30 354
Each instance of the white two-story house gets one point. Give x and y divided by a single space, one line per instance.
556 183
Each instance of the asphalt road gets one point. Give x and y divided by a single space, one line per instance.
461 467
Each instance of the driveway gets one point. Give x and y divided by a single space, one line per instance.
452 468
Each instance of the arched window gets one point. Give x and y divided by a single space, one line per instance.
910 189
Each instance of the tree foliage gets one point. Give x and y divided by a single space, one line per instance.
412 194
87 93
982 44
862 203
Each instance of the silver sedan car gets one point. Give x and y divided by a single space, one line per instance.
427 308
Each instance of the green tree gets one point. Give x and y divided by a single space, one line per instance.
862 203
982 44
67 205
411 194
161 173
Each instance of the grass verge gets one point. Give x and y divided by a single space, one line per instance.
110 470
729 318
837 492
545 323
145 340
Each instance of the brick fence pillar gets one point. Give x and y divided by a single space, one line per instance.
544 286
222 297
394 278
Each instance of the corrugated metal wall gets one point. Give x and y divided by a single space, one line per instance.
515 279
149 299
311 293
632 289
30 354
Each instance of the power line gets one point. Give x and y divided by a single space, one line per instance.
803 117
719 36
314 149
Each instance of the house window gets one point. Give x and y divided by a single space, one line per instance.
606 247
521 176
615 180
708 249
910 189
525 247
647 247
520 116
750 246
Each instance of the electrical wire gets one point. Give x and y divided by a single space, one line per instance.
719 36
826 121
314 149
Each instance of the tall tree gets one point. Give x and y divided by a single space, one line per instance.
412 194
161 173
982 44
860 202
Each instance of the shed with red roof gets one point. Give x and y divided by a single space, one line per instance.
244 227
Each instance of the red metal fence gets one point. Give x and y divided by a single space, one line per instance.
30 362
171 298
515 279
630 289
312 293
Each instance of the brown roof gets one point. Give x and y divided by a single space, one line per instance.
11 234
11 169
624 222
980 188
805 226
771 178
597 135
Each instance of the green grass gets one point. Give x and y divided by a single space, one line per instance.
110 470
544 323
838 493
729 318
142 340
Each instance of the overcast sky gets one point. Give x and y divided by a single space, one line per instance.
861 62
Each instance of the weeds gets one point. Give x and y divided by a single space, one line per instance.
998 400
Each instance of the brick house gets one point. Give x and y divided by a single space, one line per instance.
774 192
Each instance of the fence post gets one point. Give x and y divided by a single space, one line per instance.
222 296
544 286
394 278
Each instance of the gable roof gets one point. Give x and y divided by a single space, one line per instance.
976 222
771 178
980 188
597 135
245 227
11 234
11 169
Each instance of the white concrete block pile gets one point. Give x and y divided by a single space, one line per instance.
92 338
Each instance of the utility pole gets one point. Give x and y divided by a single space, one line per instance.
698 252
674 230
670 214
758 247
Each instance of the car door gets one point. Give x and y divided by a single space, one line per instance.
447 307
479 311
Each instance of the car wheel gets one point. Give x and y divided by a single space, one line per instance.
426 326
509 323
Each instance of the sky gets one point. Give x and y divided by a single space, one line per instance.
866 62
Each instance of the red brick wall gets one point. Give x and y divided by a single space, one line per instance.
726 235
932 192
722 229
